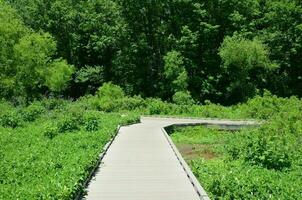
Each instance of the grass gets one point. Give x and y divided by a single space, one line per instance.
36 166
49 147
209 154
195 142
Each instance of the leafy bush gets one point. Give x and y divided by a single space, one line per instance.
175 72
217 111
6 107
110 97
132 103
108 106
68 123
110 91
53 103
91 121
270 146
255 163
264 107
235 146
232 180
89 102
183 98
91 124
11 119
31 112
129 118
48 164
241 58
156 107
50 131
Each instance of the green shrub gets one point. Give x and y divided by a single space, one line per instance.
156 106
107 105
91 121
68 123
233 180
132 103
110 91
53 103
183 98
122 104
31 112
111 98
6 107
11 119
216 111
264 107
91 124
130 118
240 58
50 131
88 102
268 150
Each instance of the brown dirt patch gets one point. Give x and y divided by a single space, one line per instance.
193 151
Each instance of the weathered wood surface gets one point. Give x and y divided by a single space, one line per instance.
143 164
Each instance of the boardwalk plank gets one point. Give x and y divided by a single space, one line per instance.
141 165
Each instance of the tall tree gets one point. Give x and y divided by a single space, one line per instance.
88 33
243 60
27 64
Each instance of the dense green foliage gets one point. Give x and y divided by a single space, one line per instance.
27 60
254 163
49 146
222 51
118 59
241 59
48 153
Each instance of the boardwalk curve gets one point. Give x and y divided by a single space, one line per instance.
142 163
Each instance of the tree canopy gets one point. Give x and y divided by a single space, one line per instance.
28 63
223 51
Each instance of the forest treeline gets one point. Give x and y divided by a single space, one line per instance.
225 51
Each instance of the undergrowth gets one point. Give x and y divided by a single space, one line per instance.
48 147
254 163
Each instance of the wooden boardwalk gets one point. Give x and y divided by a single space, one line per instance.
143 164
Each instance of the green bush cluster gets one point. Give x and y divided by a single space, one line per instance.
10 120
74 121
274 145
32 112
110 91
48 162
92 124
44 146
91 121
183 98
53 103
50 131
123 104
18 116
256 163
68 124
261 107
270 151
233 180
71 123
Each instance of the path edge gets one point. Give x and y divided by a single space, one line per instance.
197 186
79 194
239 120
